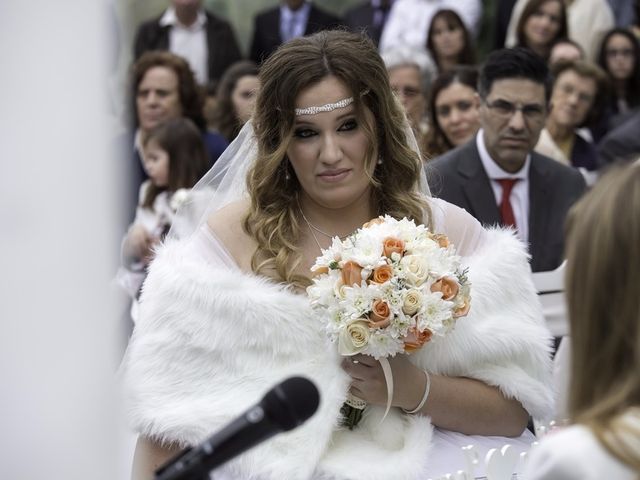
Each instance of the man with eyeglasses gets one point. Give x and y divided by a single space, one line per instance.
497 177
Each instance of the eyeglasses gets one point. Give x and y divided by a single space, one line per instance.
623 52
532 111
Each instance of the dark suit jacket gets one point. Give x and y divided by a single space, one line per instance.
266 30
221 43
621 144
360 18
459 178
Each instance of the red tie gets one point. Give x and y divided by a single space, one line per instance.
506 211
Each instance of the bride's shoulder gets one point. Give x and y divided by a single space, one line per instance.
226 224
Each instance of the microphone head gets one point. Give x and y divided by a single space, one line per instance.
291 402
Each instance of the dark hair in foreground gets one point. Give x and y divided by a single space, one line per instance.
273 220
188 159
191 97
514 63
602 278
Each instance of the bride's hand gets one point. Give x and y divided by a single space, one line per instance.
369 384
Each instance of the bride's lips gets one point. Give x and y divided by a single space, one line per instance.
334 175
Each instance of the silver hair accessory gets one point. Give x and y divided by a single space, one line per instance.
345 102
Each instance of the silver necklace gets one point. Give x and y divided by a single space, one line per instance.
312 227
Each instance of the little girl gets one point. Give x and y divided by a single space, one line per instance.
174 158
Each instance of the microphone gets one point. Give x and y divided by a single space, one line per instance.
283 408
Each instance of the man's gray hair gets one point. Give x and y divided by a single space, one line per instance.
406 56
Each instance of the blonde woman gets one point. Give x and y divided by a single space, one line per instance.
604 402
224 316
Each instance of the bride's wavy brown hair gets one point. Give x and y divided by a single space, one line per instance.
273 218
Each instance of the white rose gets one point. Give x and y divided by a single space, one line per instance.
354 338
412 302
179 198
415 268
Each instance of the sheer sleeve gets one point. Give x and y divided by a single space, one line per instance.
464 231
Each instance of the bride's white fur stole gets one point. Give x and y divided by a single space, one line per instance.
211 340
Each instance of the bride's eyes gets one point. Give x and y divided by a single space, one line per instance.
303 133
306 132
348 125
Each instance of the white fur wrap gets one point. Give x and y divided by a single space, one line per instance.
211 340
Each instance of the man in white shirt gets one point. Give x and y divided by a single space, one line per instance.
188 30
496 176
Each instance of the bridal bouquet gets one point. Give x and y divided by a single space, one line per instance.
389 288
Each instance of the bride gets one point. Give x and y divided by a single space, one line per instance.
224 316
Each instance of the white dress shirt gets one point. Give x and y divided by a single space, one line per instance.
520 192
189 42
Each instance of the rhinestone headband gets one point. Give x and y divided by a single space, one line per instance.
345 102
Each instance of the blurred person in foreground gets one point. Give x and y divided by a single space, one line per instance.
603 235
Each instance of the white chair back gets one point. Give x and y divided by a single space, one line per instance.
550 286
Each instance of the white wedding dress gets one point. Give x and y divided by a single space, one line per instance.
212 339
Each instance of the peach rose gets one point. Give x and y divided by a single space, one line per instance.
412 302
351 273
382 274
463 310
392 245
441 239
373 221
448 286
380 314
416 339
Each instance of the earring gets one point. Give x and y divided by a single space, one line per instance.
380 161
287 177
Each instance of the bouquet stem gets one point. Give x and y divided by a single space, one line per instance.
352 410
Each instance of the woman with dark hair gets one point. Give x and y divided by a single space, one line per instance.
235 98
453 110
224 316
163 88
620 57
541 24
449 41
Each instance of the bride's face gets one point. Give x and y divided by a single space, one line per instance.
328 149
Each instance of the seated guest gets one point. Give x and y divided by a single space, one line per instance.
577 99
543 22
603 234
449 41
496 176
370 17
587 22
620 58
409 20
188 30
293 18
410 72
565 50
453 110
235 98
163 88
